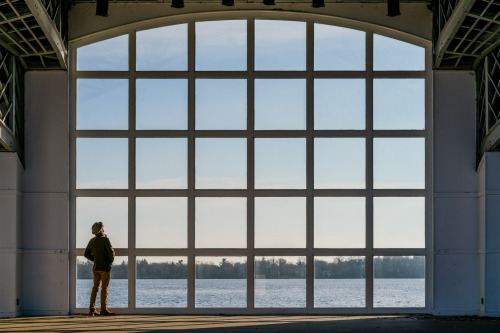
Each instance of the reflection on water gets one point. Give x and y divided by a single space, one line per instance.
159 293
117 293
286 293
221 293
399 293
339 293
280 293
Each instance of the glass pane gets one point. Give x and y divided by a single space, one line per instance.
339 282
339 222
280 45
161 282
101 163
161 222
221 163
399 104
112 212
102 104
162 49
221 282
399 163
399 222
118 285
221 45
280 222
280 282
221 223
339 104
161 163
339 163
161 104
338 49
107 55
84 282
392 54
399 282
280 104
221 104
280 163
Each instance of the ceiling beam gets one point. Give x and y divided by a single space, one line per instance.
450 29
486 52
7 139
492 139
17 18
49 29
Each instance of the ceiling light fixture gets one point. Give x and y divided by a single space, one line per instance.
178 3
318 3
393 8
101 8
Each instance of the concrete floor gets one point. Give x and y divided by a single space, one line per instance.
217 324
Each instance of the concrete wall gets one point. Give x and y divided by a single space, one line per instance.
46 194
489 237
456 228
11 203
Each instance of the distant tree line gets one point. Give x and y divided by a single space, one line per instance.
399 267
224 270
339 268
84 270
280 269
161 270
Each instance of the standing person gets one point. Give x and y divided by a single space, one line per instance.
100 251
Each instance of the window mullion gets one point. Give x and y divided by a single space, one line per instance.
250 164
132 173
191 282
369 171
310 165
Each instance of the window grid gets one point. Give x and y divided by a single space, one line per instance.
250 193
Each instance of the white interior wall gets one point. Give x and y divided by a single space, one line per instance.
11 200
489 219
456 228
46 194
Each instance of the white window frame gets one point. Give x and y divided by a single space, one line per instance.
250 252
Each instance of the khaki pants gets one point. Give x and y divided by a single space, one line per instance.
100 276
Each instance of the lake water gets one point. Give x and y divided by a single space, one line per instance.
286 293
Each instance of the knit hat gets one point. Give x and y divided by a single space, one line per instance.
96 227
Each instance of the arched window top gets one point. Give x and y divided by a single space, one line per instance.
106 55
277 45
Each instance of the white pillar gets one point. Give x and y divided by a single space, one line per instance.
11 200
456 254
46 195
489 234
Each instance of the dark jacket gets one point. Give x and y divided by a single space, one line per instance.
100 251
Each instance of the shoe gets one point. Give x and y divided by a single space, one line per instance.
93 313
105 312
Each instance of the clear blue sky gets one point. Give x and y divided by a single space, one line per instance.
280 163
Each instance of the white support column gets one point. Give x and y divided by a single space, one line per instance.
456 254
489 237
11 200
46 194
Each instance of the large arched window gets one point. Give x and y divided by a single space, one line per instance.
245 164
